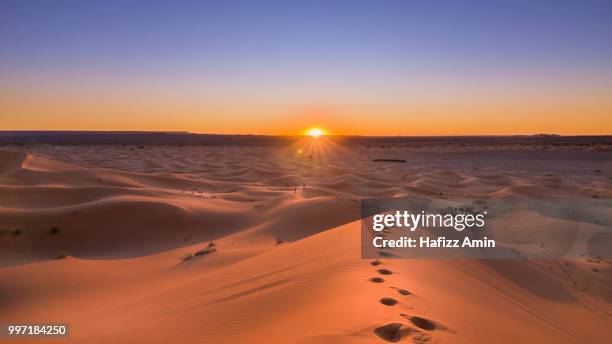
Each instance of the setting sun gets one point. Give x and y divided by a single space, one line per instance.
315 132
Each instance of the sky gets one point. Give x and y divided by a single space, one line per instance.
279 67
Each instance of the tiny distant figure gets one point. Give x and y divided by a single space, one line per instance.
304 187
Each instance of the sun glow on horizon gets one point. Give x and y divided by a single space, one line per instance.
315 132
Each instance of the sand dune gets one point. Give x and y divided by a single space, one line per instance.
127 223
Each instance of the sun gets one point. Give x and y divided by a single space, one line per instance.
315 132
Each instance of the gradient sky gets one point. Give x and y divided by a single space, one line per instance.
352 67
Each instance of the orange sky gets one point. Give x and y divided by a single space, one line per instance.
431 110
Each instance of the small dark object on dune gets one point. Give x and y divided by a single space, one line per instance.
377 279
279 241
207 250
54 230
376 262
389 160
17 232
211 244
188 256
62 256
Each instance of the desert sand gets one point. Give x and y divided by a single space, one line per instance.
104 237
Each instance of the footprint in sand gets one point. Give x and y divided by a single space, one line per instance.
394 332
384 272
388 301
421 338
424 323
377 279
401 291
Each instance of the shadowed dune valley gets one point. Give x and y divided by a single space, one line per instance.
261 244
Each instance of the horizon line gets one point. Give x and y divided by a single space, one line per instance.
185 132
